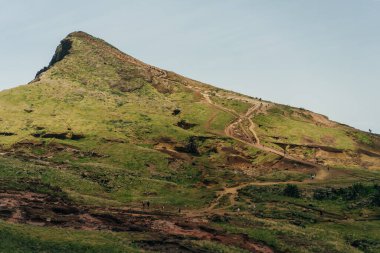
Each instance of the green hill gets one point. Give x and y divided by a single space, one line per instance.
104 153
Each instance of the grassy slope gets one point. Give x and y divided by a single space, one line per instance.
283 124
123 108
339 222
116 103
294 125
23 238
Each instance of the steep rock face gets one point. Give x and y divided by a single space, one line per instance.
62 50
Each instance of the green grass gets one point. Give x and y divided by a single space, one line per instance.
278 122
364 235
363 138
296 225
285 237
210 246
89 184
333 223
27 238
234 104
79 95
123 110
284 176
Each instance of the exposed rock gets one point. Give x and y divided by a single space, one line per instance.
176 112
28 110
185 125
60 136
62 50
7 134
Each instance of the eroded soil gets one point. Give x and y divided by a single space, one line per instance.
171 230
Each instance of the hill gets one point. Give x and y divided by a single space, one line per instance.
124 156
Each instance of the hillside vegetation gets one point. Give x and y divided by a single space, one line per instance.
104 153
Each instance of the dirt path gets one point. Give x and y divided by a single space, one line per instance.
237 131
247 135
234 191
231 129
252 129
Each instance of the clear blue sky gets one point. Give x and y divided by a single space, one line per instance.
322 55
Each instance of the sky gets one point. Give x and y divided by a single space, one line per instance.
321 55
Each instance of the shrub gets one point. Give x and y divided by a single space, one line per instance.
355 191
376 198
291 190
321 194
176 112
192 146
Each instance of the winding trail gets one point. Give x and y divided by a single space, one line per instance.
237 131
231 129
248 136
234 191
